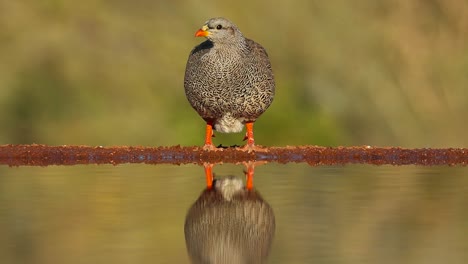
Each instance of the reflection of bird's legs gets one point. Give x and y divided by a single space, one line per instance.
208 175
249 173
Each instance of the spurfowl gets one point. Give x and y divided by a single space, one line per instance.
228 80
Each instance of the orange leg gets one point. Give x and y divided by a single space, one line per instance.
208 135
208 175
249 136
249 174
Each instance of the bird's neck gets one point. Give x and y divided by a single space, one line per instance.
238 46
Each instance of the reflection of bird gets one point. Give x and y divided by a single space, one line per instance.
228 80
229 224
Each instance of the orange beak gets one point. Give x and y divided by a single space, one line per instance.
202 32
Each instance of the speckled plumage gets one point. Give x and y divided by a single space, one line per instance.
228 79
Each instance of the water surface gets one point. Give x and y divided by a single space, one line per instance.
136 213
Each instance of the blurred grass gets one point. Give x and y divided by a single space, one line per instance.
348 73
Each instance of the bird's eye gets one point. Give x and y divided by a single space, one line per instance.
219 27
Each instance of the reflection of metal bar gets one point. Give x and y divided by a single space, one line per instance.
41 155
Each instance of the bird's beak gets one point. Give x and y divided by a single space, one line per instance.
202 32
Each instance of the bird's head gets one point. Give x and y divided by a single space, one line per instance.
220 30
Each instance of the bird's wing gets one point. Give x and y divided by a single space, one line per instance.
259 53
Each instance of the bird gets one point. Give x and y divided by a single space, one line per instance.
229 223
228 80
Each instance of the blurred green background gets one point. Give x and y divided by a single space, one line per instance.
348 72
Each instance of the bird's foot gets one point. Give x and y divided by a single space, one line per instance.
211 147
252 148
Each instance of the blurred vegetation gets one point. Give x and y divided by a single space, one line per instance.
348 73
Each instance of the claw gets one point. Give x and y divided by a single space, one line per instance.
209 147
252 148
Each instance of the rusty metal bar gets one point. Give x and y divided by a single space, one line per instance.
42 155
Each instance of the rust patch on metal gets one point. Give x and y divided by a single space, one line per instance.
42 155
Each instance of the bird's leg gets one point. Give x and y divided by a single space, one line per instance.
249 136
208 175
208 135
